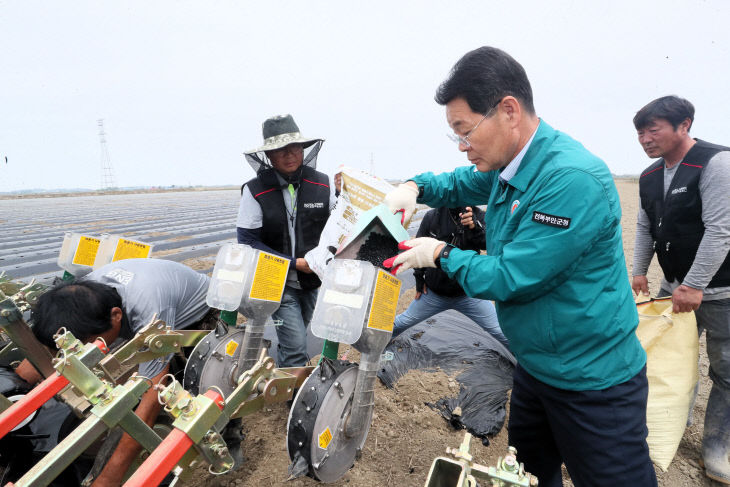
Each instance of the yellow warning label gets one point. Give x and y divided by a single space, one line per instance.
129 249
86 251
385 301
270 278
231 347
325 438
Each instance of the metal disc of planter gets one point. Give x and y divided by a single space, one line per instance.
316 441
214 362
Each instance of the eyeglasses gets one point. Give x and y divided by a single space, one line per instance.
464 140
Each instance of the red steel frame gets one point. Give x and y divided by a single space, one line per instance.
37 397
167 454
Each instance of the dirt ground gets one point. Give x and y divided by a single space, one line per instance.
406 435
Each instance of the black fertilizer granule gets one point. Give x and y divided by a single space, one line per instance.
377 248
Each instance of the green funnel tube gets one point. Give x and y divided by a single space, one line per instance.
229 317
330 350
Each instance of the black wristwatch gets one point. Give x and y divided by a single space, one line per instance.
444 254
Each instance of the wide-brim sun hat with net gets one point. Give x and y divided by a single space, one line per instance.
280 131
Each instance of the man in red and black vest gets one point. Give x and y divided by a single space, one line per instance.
283 211
685 219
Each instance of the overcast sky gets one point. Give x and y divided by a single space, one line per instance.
184 86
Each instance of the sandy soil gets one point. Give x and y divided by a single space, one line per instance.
406 435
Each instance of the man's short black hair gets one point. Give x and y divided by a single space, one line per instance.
673 109
82 307
483 77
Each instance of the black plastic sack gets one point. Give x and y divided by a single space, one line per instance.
455 344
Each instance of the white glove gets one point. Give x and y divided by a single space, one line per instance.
317 259
402 198
419 253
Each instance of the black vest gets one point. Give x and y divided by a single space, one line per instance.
313 210
676 222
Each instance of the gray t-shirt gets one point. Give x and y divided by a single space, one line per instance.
148 287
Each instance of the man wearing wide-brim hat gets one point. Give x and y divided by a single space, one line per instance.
283 211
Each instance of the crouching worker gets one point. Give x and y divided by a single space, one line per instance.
463 228
115 302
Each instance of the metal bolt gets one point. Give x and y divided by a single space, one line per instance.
299 421
308 409
313 388
300 443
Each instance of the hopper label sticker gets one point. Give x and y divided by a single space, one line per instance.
385 301
270 277
86 251
231 348
325 438
129 249
233 276
336 297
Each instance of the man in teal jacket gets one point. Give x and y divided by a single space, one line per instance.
555 269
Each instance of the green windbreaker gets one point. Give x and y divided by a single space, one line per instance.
555 263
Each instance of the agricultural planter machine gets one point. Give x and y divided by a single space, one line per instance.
227 373
227 376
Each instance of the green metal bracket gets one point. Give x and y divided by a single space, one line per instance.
193 415
7 286
4 403
213 448
113 408
247 383
11 321
118 410
153 341
461 471
73 363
